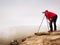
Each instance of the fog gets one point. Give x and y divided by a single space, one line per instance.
19 18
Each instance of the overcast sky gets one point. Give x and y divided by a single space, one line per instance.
26 12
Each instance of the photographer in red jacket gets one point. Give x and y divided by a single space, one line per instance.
52 17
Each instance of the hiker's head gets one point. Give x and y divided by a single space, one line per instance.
45 11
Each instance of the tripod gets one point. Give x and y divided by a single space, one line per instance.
42 22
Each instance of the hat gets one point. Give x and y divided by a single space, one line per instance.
45 11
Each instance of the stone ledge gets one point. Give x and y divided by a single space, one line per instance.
52 38
47 33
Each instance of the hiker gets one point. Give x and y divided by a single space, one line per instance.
14 42
52 17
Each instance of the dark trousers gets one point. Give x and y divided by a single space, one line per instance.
53 20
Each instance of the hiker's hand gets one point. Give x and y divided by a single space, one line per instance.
50 19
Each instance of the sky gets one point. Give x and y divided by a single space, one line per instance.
20 17
26 12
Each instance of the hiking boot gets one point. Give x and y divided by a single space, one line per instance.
50 31
54 30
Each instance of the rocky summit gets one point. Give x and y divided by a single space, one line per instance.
52 38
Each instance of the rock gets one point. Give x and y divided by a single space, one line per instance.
55 33
42 33
52 39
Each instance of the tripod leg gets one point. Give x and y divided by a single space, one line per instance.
41 23
47 24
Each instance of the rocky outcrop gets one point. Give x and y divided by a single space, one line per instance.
52 38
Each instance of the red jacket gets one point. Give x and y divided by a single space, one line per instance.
49 15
